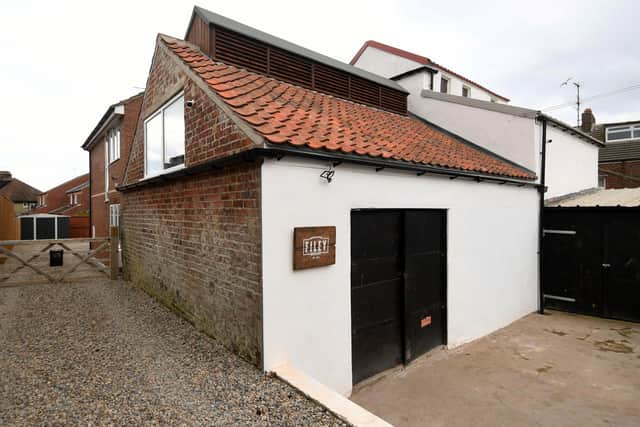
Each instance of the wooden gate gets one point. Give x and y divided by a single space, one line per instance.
31 262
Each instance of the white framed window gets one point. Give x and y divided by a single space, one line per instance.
444 84
113 142
73 198
466 91
114 215
602 181
70 199
164 138
623 133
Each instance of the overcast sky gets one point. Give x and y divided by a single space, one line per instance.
63 63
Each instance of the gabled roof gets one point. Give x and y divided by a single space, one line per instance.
18 191
288 115
229 24
105 119
78 187
416 58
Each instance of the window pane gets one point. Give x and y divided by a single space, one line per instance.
465 92
636 133
153 152
444 85
612 136
174 133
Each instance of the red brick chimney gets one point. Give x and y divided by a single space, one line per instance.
588 120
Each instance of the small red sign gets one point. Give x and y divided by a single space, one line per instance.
425 321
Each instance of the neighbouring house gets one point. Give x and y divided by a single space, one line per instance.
287 204
108 145
69 198
515 133
23 196
396 64
619 160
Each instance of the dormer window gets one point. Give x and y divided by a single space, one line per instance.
623 133
113 142
164 138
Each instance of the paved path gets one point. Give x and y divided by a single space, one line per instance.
554 370
106 353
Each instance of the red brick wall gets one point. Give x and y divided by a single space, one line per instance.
621 173
100 207
195 242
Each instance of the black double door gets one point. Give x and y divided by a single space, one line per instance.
592 261
398 287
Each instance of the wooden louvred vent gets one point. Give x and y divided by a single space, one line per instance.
242 51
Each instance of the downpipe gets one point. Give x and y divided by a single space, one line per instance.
542 189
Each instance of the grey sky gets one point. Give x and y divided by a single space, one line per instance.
63 63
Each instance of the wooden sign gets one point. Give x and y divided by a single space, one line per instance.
313 247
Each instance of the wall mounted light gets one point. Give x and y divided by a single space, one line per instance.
328 174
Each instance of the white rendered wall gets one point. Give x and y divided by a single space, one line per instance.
572 164
388 65
509 136
492 257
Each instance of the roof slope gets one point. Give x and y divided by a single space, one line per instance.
416 58
626 197
286 114
18 191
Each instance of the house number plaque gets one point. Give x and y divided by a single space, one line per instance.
313 247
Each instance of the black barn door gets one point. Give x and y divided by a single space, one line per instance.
592 261
424 261
398 281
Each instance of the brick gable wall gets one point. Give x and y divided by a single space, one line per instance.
194 242
618 174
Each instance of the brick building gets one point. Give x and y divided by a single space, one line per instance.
244 141
23 196
108 145
619 159
69 198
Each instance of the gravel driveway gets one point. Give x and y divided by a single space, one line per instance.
106 353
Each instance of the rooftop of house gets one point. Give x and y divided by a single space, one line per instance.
105 118
598 197
16 190
230 24
284 114
70 184
612 151
423 60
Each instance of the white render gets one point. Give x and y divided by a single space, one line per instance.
572 164
389 65
492 242
513 133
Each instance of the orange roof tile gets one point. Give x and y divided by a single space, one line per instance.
286 114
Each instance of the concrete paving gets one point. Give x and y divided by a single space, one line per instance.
557 369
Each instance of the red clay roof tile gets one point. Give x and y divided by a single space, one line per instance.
286 114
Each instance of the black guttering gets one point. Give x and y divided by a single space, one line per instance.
280 151
229 24
472 145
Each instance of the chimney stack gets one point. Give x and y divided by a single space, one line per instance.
588 120
5 176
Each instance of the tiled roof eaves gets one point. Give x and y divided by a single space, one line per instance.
381 163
